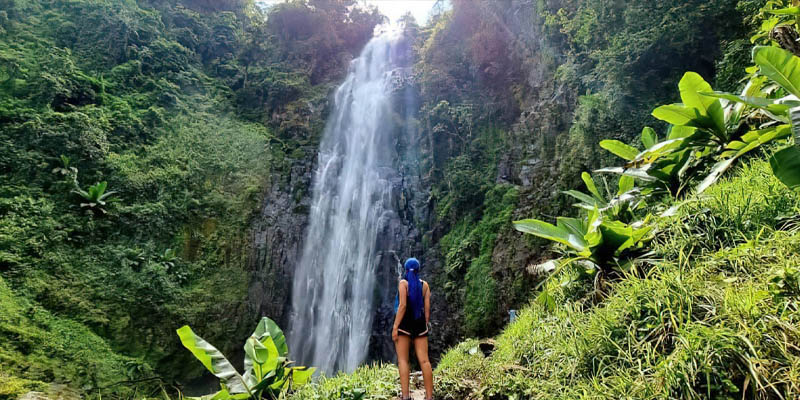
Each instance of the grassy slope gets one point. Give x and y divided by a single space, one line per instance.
701 322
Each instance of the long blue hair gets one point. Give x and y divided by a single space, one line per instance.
415 301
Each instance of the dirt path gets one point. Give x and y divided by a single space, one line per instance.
417 388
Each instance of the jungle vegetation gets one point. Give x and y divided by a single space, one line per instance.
648 147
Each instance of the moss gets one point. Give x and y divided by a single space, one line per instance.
468 250
12 387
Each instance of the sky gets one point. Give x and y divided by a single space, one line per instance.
393 9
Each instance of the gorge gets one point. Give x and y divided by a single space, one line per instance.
277 161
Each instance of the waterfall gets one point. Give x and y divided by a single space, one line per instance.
334 283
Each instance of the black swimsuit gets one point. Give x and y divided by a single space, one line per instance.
413 327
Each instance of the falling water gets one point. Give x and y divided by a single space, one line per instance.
334 284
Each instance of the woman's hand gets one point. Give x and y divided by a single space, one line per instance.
394 334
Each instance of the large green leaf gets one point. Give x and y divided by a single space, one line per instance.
551 232
301 375
617 235
268 327
691 86
261 357
681 132
649 137
632 172
620 149
212 359
625 185
589 182
586 201
574 226
657 151
786 166
785 11
771 105
780 66
678 114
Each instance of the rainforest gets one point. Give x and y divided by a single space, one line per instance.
214 198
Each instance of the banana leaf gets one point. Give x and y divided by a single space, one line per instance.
691 86
301 375
268 326
589 182
780 66
649 137
786 166
620 149
558 234
213 360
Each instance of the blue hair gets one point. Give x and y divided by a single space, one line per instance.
415 301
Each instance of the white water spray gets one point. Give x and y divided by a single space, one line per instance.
334 284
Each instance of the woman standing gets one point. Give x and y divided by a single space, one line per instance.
411 326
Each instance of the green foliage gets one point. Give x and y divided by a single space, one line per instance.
146 96
64 350
469 280
607 244
377 381
266 363
95 197
698 325
786 283
619 205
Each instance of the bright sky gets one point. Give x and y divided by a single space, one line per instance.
393 9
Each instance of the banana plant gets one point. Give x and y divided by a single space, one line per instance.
662 165
604 243
617 206
66 169
782 68
96 197
705 129
698 111
267 369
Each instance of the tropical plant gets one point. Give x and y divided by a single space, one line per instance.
96 197
618 205
65 169
783 68
606 244
779 24
706 128
267 370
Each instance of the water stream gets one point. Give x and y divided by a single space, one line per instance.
335 281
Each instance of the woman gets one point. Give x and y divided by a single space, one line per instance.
411 326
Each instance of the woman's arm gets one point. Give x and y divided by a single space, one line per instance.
402 294
427 303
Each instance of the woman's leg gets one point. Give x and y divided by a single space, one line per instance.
421 349
402 345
